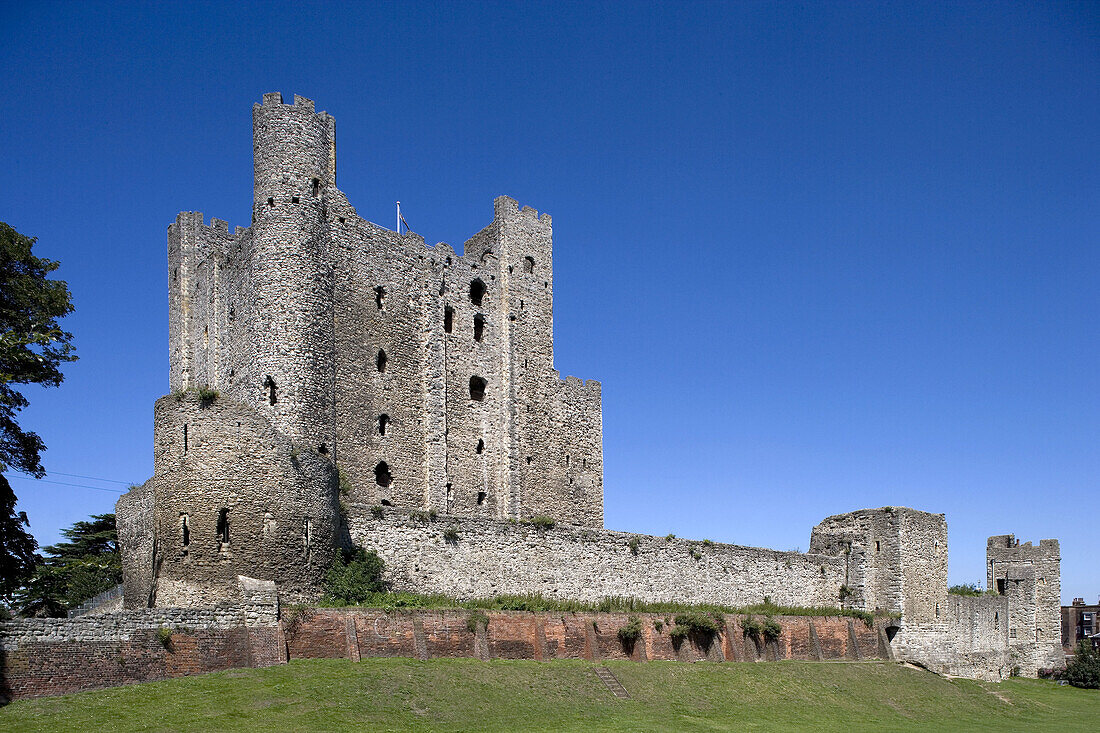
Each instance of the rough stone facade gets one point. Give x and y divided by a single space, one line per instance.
325 371
1031 578
575 563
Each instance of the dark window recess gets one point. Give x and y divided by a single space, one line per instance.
223 526
387 502
185 437
380 361
448 319
342 219
509 269
567 461
877 546
316 186
383 421
322 449
480 446
528 460
584 463
477 291
479 327
477 389
382 475
185 529
480 498
528 265
269 385
271 203
379 295
293 199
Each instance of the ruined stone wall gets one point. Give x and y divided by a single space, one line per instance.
230 496
1030 577
968 639
896 559
493 557
54 656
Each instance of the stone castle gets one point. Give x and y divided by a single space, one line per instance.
337 383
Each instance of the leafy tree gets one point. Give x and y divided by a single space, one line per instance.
1084 670
355 576
32 349
74 571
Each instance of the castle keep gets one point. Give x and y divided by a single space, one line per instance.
335 383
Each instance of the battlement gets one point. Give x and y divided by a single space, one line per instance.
507 208
1006 547
578 385
274 99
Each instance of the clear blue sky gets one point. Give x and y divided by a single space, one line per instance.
822 256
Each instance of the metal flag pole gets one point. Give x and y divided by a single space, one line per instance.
398 217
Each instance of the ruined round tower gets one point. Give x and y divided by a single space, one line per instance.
290 367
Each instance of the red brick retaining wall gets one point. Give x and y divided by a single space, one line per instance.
101 654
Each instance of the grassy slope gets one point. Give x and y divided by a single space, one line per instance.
467 694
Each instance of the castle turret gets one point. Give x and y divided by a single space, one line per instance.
1030 577
290 369
294 152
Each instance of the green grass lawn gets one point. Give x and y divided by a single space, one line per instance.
467 694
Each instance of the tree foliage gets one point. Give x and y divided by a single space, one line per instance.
73 571
32 349
354 577
1084 669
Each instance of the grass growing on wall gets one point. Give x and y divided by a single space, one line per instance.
564 695
538 603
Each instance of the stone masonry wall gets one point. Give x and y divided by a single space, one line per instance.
231 496
968 639
1030 577
492 558
57 656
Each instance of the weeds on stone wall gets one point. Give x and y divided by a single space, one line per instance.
631 632
476 619
164 636
771 629
751 628
534 602
699 623
542 522
695 553
633 545
451 534
207 395
670 536
422 515
377 512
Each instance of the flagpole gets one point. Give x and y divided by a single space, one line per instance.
398 217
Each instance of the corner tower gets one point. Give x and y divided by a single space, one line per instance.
286 348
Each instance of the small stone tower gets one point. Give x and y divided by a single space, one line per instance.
1031 578
897 559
